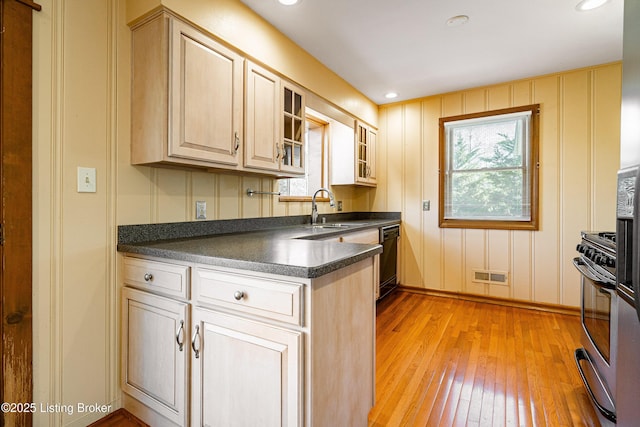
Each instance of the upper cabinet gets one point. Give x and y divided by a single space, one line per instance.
187 90
353 156
274 122
262 112
293 137
365 154
197 102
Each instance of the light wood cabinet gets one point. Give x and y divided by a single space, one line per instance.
254 296
365 154
155 352
262 118
187 96
293 124
353 157
370 237
242 355
247 348
274 122
245 373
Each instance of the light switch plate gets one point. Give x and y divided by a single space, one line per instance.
426 205
201 209
86 180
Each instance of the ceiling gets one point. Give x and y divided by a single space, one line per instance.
407 47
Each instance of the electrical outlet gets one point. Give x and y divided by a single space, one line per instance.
339 205
86 180
426 205
201 209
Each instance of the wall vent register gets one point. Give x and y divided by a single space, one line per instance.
491 277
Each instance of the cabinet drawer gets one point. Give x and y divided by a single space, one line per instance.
158 277
248 294
371 236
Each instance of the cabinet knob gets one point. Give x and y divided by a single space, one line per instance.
148 277
238 295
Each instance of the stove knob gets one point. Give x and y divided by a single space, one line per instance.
581 248
611 262
598 259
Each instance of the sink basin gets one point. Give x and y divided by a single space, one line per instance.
328 226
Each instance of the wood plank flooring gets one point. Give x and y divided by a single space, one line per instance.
449 362
120 418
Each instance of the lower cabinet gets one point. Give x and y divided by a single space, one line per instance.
244 373
250 349
154 352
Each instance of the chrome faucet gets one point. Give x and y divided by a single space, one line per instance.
314 207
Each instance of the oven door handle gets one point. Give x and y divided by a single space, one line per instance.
581 354
581 266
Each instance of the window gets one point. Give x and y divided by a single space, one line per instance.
489 169
297 189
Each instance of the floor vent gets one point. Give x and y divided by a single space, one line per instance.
491 277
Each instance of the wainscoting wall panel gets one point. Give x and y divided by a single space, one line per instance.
579 146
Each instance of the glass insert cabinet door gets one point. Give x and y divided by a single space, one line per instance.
363 169
293 129
365 154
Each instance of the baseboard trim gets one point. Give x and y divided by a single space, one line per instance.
550 308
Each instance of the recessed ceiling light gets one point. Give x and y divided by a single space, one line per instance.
288 2
589 4
455 21
391 95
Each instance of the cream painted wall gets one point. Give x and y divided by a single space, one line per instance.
82 118
165 195
75 124
579 158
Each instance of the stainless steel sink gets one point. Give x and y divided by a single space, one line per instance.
329 226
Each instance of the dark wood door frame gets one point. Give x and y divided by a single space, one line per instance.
16 22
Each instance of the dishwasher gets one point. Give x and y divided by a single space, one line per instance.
388 259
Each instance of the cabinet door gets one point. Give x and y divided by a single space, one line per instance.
245 373
365 154
206 106
371 156
293 129
154 353
262 115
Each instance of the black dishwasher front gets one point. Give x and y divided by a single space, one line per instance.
389 259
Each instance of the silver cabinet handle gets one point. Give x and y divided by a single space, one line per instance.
148 277
277 151
237 142
180 336
238 295
196 339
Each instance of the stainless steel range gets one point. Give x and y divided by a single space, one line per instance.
596 359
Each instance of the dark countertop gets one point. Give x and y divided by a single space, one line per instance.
280 245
